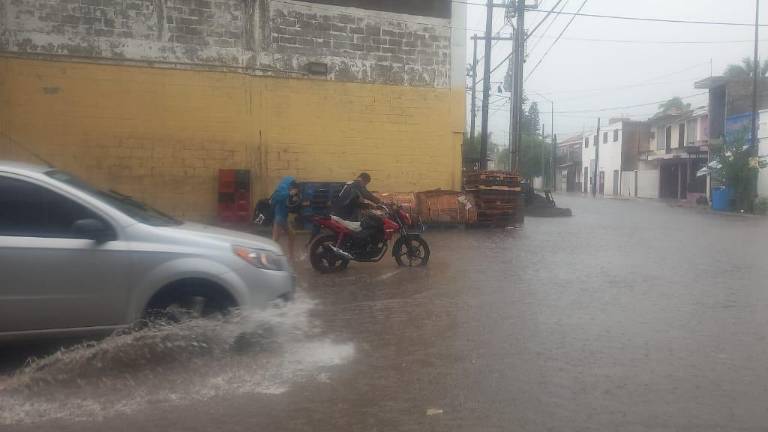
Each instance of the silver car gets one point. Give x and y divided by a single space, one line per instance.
78 260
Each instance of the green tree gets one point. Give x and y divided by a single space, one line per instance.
531 124
470 148
673 104
737 168
534 157
745 69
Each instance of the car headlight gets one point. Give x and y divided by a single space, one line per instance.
261 258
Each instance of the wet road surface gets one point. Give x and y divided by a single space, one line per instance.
629 316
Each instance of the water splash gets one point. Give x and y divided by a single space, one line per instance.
263 352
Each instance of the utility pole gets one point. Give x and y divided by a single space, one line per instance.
755 79
486 86
597 160
544 176
554 162
516 109
553 157
474 87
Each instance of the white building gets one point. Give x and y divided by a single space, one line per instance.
619 143
762 150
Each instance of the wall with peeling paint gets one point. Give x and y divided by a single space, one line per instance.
264 36
154 107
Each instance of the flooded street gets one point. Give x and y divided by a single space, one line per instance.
583 323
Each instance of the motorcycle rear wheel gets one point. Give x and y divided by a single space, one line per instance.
323 258
411 251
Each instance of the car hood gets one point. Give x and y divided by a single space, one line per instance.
226 235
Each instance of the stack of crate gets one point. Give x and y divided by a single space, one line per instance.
234 203
497 195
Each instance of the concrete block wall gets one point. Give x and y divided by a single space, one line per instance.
162 135
371 46
152 97
272 37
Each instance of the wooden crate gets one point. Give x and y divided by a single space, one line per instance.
445 207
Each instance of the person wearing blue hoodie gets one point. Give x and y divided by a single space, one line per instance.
285 196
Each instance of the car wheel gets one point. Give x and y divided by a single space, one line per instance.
185 300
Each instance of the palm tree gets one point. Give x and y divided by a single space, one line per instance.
745 69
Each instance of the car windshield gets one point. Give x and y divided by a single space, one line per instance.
129 206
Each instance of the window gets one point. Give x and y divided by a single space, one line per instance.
660 141
29 210
615 135
681 135
691 134
586 142
605 137
596 138
127 205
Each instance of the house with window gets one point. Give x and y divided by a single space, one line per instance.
678 148
619 143
569 164
730 113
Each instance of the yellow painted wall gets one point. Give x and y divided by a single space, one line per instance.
162 134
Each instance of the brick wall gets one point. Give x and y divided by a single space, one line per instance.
259 36
378 47
162 134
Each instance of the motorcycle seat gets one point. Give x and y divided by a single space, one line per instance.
354 226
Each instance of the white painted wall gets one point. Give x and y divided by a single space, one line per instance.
762 134
628 183
610 155
648 184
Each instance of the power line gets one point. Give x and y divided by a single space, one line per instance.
686 69
546 30
556 39
512 53
662 42
629 18
628 106
536 27
497 34
664 20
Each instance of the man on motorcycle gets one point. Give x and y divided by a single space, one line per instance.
346 204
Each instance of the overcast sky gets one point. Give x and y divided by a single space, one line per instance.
581 75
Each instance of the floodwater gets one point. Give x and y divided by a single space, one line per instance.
628 316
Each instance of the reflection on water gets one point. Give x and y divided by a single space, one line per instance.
196 360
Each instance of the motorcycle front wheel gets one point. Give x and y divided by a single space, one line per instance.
411 251
323 258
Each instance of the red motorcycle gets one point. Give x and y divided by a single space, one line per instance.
335 241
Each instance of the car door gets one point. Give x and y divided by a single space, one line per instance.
50 278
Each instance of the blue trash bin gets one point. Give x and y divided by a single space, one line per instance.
721 198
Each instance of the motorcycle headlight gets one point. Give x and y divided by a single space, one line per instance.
261 258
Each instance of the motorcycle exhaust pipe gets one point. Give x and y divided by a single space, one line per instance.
341 253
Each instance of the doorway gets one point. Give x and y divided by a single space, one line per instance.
601 182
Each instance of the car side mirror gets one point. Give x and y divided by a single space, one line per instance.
92 229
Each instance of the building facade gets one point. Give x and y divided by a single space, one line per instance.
569 167
153 97
620 143
730 113
678 148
